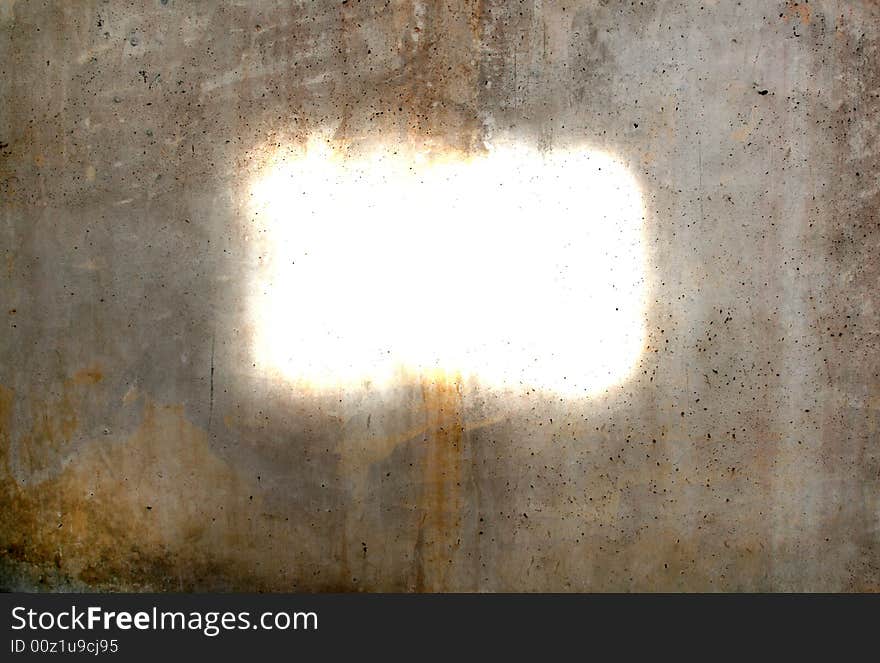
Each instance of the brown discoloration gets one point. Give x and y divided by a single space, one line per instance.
797 10
439 535
91 375
54 421
7 398
157 510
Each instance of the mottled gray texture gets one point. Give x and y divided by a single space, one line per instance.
139 449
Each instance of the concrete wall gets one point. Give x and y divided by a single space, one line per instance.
141 448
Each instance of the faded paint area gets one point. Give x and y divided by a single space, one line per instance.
141 447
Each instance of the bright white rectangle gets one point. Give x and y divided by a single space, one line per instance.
518 268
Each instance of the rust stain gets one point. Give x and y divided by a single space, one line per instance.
799 10
7 398
91 375
432 427
374 449
148 511
54 421
439 534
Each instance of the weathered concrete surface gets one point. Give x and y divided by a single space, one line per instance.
140 449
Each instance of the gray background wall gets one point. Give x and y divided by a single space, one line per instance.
141 451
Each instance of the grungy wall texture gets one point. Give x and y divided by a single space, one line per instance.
140 447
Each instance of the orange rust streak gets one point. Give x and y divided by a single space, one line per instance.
90 375
441 500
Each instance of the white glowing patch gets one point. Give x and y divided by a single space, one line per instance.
520 268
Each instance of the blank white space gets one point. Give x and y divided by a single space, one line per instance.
519 268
